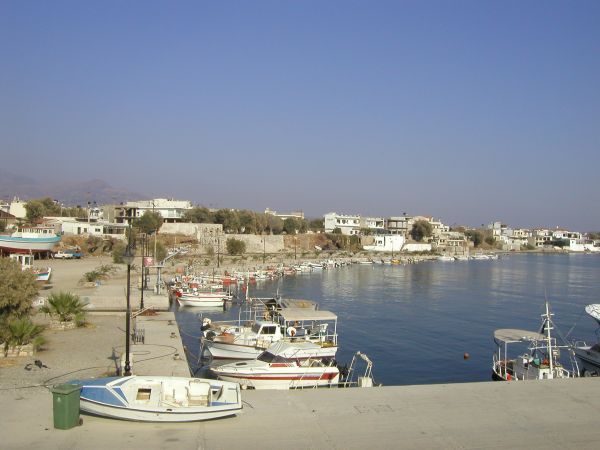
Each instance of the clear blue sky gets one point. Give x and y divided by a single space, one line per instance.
470 111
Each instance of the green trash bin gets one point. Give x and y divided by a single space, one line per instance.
65 399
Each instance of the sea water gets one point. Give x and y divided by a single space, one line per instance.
417 322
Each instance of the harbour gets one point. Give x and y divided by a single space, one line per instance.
417 321
484 414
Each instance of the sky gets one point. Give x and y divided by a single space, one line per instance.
468 111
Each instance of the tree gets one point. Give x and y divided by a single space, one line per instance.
291 225
316 225
150 222
247 221
229 219
34 211
199 215
421 229
235 246
18 288
274 224
475 236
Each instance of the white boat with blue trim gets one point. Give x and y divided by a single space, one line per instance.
159 399
30 240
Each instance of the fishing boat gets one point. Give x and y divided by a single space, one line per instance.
159 399
30 240
540 359
283 365
42 274
239 342
589 355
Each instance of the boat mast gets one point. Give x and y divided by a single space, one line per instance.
548 328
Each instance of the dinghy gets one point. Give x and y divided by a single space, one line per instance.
159 399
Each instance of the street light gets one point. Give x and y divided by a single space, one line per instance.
264 245
143 238
128 257
295 243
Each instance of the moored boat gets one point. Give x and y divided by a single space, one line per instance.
589 355
283 365
540 359
159 399
239 342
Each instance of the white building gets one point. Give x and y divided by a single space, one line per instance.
373 223
172 211
348 224
100 228
386 243
283 216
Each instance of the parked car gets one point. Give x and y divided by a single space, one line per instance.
63 255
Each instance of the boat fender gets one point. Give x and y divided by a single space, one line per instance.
291 331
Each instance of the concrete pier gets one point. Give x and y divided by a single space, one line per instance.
551 414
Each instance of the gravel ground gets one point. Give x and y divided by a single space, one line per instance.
83 352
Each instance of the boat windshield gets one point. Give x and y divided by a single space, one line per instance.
269 357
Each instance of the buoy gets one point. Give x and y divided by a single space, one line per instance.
466 356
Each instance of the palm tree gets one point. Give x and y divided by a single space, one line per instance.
22 331
66 307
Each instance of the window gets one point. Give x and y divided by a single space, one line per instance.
143 394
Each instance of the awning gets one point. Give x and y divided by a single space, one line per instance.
300 314
511 335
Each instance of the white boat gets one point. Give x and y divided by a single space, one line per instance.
445 258
42 274
589 355
30 240
159 399
197 297
283 365
238 342
540 360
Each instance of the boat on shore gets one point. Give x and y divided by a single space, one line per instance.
30 240
159 399
42 274
540 357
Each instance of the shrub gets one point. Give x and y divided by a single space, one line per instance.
22 331
65 307
235 246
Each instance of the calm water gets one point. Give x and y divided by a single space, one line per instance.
416 322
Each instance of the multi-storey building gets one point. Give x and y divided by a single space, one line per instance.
348 224
172 211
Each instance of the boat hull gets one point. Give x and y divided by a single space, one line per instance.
26 245
294 378
232 351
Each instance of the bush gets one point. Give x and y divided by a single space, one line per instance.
22 331
65 307
235 246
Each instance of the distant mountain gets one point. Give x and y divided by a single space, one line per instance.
69 193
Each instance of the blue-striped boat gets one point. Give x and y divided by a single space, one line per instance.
159 399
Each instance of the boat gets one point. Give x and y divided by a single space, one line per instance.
445 258
284 365
239 342
42 274
195 297
589 355
30 240
540 360
159 399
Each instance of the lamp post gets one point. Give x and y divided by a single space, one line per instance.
218 251
143 238
264 249
128 257
295 243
